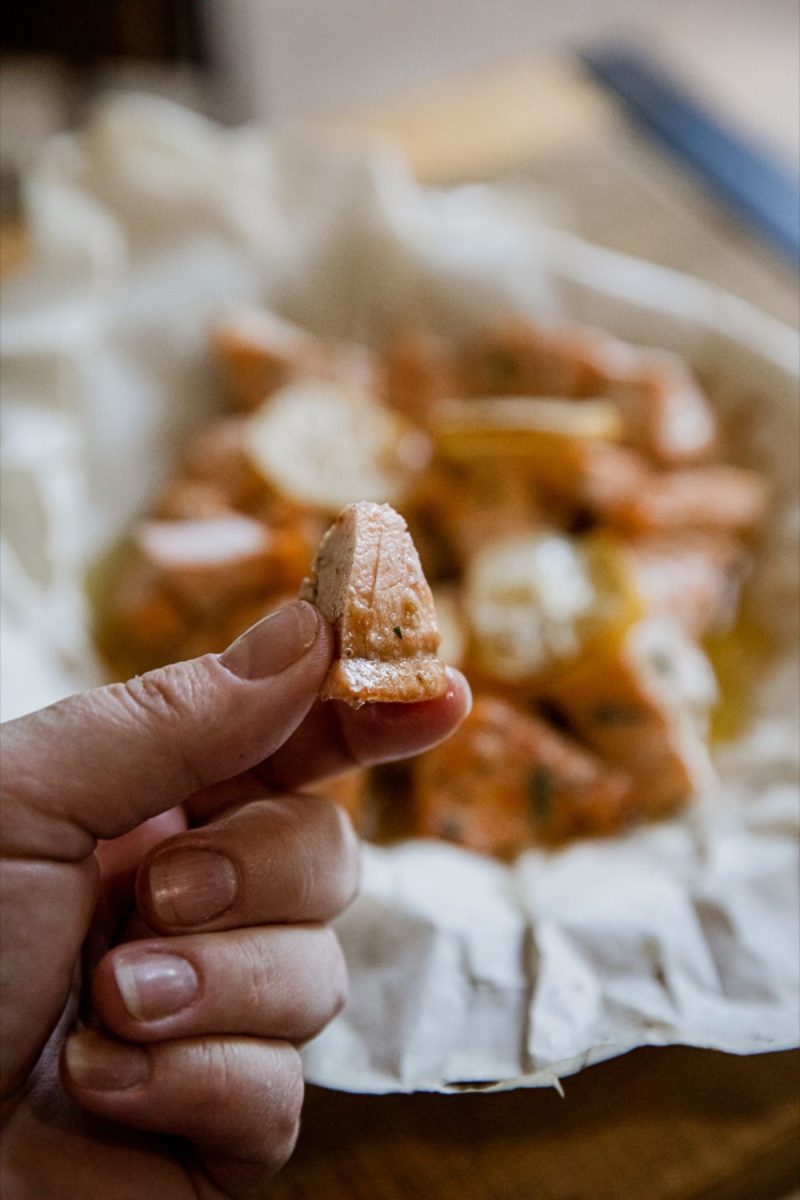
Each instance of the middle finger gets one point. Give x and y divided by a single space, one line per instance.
278 860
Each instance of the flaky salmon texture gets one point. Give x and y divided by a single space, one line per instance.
367 580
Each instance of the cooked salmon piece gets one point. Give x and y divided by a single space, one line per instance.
507 779
191 499
616 486
207 564
144 614
666 414
260 352
479 502
719 497
693 576
592 476
522 358
418 370
216 457
622 701
367 580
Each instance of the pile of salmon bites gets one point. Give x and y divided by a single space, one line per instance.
581 537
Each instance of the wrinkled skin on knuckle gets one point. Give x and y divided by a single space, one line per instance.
157 696
325 850
312 1015
350 857
289 847
258 968
288 1109
159 701
336 970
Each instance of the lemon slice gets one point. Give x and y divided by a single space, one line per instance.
618 603
520 425
325 446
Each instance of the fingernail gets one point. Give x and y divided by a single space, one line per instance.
274 643
100 1065
458 682
154 985
190 887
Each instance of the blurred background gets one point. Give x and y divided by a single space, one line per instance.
538 97
285 59
471 90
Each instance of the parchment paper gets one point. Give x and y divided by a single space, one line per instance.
147 227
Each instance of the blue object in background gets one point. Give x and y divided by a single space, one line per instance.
756 190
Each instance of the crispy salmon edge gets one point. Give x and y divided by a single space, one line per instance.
357 681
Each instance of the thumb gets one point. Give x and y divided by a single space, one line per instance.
100 763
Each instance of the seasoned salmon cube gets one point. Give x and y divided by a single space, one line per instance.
666 414
592 475
419 370
692 575
216 457
479 502
143 611
367 580
507 779
191 499
522 358
719 496
208 563
622 701
260 352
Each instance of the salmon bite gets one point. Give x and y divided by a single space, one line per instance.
368 581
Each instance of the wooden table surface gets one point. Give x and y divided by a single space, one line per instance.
670 1124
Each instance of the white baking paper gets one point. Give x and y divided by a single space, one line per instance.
146 227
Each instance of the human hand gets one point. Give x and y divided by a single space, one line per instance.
164 892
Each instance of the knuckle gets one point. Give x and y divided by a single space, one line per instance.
314 847
350 858
322 999
337 976
295 849
156 694
288 1107
256 970
160 700
328 852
